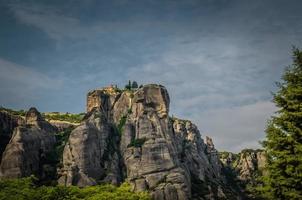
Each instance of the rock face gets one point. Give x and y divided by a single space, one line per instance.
250 163
244 168
8 123
128 135
91 154
151 157
28 147
125 136
246 164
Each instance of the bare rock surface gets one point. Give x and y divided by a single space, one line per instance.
29 145
8 123
151 151
250 162
91 154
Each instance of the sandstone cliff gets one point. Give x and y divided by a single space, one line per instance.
243 169
8 123
246 165
128 135
28 147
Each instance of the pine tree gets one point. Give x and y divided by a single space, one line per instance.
134 85
128 86
283 141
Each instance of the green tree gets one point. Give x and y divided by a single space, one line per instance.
283 141
134 84
128 86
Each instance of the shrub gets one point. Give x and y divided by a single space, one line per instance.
26 189
137 142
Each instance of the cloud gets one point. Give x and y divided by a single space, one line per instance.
20 83
238 127
224 87
218 59
48 19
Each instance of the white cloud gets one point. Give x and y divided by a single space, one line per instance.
55 24
20 81
221 87
236 128
218 68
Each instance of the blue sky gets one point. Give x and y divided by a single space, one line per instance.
219 59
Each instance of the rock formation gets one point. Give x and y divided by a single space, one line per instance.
128 135
8 123
247 164
91 154
28 147
243 169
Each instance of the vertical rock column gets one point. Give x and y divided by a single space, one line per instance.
29 144
148 149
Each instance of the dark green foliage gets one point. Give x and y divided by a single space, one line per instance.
69 117
55 156
137 142
223 154
26 189
131 86
245 151
121 124
134 85
283 141
62 138
199 188
128 86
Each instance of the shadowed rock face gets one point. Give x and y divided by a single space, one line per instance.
29 145
246 164
91 154
129 136
8 123
244 168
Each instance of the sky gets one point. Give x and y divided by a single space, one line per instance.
218 59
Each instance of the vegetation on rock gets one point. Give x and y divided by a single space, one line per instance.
13 112
68 117
61 140
121 124
137 142
131 85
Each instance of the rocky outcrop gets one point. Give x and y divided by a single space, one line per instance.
128 135
8 123
151 156
243 169
246 165
91 154
28 148
250 164
104 99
